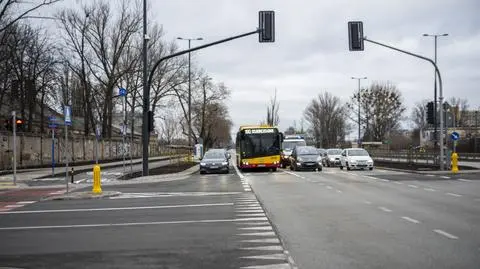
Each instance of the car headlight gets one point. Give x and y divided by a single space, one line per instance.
224 163
300 159
319 159
203 164
352 161
332 159
370 161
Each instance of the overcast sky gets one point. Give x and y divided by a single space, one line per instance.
310 54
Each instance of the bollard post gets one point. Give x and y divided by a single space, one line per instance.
454 163
72 173
97 189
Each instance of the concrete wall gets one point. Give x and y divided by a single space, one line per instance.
35 150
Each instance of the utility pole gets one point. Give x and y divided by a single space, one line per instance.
146 96
189 120
14 128
359 100
435 36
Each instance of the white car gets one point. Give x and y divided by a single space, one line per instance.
355 158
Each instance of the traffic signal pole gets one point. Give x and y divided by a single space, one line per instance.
440 93
14 128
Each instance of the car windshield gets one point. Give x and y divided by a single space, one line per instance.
321 151
214 155
258 145
334 151
307 151
289 145
357 152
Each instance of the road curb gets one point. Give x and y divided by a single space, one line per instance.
447 172
85 195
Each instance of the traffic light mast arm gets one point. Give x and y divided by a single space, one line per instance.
440 97
152 72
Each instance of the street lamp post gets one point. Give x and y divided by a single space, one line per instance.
189 90
358 98
435 36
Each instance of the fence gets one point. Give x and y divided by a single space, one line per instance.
34 150
417 156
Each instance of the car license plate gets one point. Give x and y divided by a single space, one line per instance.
213 167
261 165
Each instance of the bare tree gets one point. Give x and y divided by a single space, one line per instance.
418 115
460 108
326 115
273 119
382 108
11 11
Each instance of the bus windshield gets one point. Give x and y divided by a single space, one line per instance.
258 145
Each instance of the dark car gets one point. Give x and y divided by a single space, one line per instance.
305 158
214 161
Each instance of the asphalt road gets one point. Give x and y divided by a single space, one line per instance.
204 221
374 219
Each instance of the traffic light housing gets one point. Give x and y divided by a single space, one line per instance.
8 124
355 35
430 113
266 21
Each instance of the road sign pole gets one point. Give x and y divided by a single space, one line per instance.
53 152
14 128
66 156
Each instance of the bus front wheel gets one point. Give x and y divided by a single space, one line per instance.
274 169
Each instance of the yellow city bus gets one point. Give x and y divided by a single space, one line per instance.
258 147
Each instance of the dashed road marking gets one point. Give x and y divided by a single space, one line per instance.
464 180
258 234
367 202
265 241
258 228
413 186
445 177
329 187
276 256
429 189
448 235
453 194
269 266
26 202
398 182
384 180
270 248
251 215
13 206
411 220
252 219
430 175
384 209
250 211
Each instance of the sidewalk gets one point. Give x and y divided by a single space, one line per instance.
6 181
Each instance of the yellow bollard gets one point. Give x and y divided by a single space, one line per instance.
97 188
454 162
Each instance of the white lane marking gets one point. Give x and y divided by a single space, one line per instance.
269 266
329 187
114 208
258 228
250 211
251 215
413 186
453 194
384 209
273 248
429 189
430 175
238 172
13 206
249 205
252 219
398 182
367 202
80 181
254 223
293 174
258 234
464 180
370 177
248 189
26 202
248 208
116 224
451 236
445 177
339 191
411 220
384 180
266 241
277 256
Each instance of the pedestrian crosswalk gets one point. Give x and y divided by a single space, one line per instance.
260 246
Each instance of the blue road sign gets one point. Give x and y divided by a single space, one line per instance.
68 115
455 136
52 122
122 91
